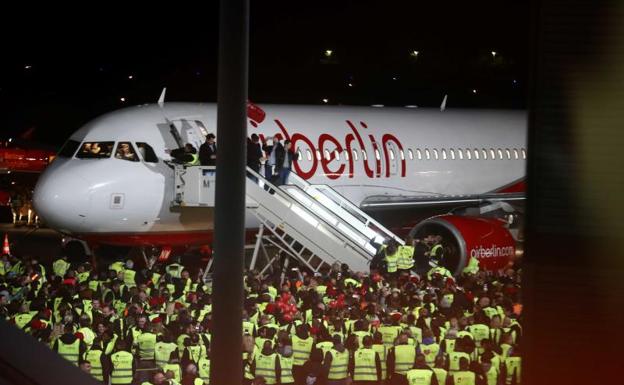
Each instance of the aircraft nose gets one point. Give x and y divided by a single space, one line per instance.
62 199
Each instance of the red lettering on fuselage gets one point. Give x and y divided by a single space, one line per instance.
328 144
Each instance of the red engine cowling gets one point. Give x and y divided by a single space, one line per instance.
464 237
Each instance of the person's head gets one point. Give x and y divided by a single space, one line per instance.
210 138
463 363
276 138
141 321
420 360
85 366
367 341
439 362
158 378
191 369
287 145
189 148
255 138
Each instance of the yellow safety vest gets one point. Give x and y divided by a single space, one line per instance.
265 367
406 257
196 352
162 352
94 357
180 341
440 375
389 333
492 375
464 378
480 332
59 267
194 162
147 346
174 270
431 352
365 368
325 346
449 345
128 278
117 266
513 366
286 364
248 327
392 262
82 277
70 352
416 333
301 349
175 369
23 319
339 365
93 285
420 376
454 357
203 367
381 350
404 357
89 336
122 368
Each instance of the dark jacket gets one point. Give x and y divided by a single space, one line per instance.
254 153
206 153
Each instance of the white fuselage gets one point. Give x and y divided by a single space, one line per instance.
359 151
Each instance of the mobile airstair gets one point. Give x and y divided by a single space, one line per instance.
312 223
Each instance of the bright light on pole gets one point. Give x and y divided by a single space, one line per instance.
325 100
328 52
493 54
414 54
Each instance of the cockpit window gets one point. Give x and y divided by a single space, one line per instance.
69 149
147 152
95 150
125 151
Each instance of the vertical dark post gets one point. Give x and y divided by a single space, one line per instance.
226 349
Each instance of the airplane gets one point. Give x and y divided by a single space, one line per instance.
386 160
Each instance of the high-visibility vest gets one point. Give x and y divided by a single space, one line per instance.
480 332
505 348
381 350
196 352
122 368
492 375
406 257
404 357
147 346
365 368
440 375
416 333
419 376
94 284
454 357
449 344
248 327
23 319
301 349
82 277
128 277
203 367
117 266
265 367
389 333
88 335
70 352
392 262
194 161
431 352
434 251
59 267
286 364
155 278
464 378
360 336
339 365
325 346
94 357
162 352
513 366
2 268
174 270
180 342
175 369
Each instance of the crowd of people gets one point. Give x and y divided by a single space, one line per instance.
126 324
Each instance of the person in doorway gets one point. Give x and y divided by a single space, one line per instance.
208 151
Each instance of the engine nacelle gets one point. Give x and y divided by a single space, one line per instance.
464 237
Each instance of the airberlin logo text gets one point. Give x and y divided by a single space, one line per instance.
492 252
376 165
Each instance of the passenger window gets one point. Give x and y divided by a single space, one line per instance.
476 154
460 153
318 155
391 154
508 153
485 155
443 154
346 154
492 154
410 154
435 153
309 154
147 152
364 156
468 154
419 153
402 155
299 155
355 155
69 149
427 154
523 153
452 152
377 156
327 156
95 150
515 153
125 151
336 154
500 154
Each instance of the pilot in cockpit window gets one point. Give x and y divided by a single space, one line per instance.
126 152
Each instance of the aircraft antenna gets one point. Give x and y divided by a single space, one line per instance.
443 105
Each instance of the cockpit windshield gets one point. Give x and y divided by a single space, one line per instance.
125 151
95 150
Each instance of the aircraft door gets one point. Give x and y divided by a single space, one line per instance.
191 131
393 157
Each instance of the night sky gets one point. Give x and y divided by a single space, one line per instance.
59 70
